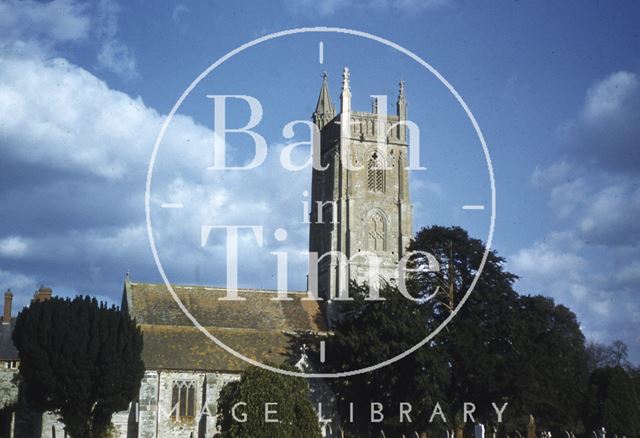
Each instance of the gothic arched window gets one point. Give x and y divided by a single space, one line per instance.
377 232
375 174
183 400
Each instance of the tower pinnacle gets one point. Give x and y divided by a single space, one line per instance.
402 112
345 96
402 102
325 111
345 79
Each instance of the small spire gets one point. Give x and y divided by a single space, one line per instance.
325 111
401 93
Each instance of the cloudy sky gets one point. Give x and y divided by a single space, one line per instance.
85 88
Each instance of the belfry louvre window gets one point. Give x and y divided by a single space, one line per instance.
375 174
183 400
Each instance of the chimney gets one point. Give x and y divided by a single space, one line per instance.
42 294
8 299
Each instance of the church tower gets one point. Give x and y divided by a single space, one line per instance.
360 202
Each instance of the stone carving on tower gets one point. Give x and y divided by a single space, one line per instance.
360 202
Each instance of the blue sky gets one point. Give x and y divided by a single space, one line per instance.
84 88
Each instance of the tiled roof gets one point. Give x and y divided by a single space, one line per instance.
186 348
259 327
8 351
153 304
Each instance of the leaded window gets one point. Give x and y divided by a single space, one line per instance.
183 400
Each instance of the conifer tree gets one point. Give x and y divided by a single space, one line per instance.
79 359
288 398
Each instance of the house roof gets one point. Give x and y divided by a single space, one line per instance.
259 327
8 351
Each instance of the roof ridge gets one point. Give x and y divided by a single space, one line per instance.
214 328
220 288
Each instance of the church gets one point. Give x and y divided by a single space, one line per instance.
360 207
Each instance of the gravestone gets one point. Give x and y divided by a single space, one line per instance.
602 433
531 428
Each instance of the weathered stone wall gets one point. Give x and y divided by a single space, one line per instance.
150 416
8 387
51 426
373 220
168 426
124 423
148 405
154 410
214 384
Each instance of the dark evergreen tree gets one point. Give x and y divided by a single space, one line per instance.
500 347
613 402
550 372
79 359
369 332
503 347
256 387
477 342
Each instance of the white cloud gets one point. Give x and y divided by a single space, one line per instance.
81 125
59 20
556 173
325 8
567 197
114 55
22 286
95 142
603 211
606 309
13 246
610 216
542 260
604 133
629 274
312 7
609 97
414 5
37 28
118 58
178 12
590 262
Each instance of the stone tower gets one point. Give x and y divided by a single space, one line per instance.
360 202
